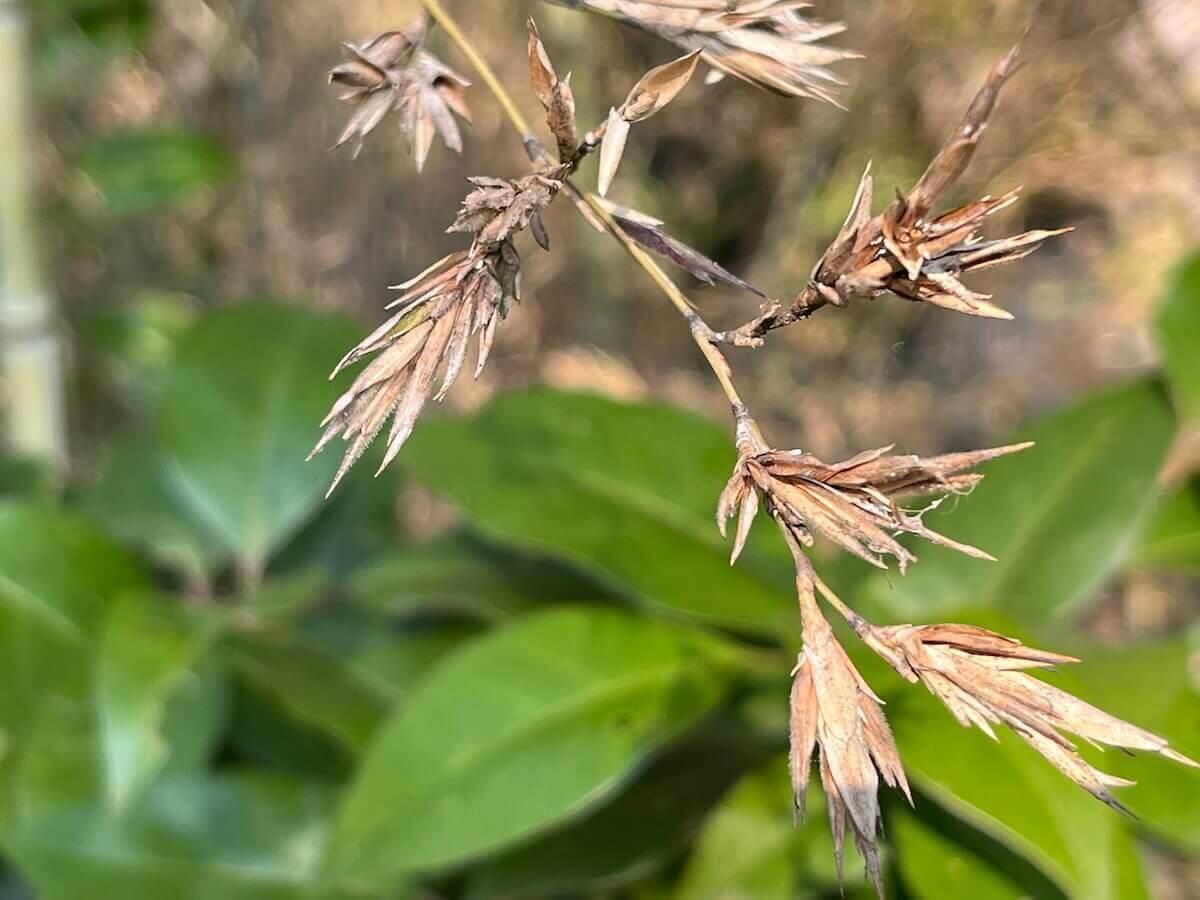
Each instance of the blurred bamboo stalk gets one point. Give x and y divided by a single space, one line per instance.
32 419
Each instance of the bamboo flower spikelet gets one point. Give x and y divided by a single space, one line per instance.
767 43
863 504
393 72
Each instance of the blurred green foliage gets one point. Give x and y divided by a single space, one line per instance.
556 699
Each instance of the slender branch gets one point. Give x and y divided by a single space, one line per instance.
705 338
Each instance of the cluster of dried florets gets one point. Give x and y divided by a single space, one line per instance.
765 42
471 291
905 251
982 677
392 72
463 294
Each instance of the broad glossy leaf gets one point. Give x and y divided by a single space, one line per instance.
1060 517
1178 329
309 684
57 577
632 836
393 661
752 848
139 172
625 491
144 657
461 576
945 857
1172 539
248 836
518 731
135 500
239 410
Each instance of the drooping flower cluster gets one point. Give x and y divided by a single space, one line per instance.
907 251
834 710
981 677
765 42
463 294
854 503
392 72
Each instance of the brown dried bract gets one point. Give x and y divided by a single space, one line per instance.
979 675
555 95
833 709
652 93
765 42
462 294
498 208
853 503
904 251
392 72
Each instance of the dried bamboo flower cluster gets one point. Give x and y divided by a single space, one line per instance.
905 252
834 710
982 677
463 294
393 72
765 42
853 503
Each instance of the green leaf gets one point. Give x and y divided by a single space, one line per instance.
140 172
940 856
1172 540
135 500
1153 687
1178 329
248 836
460 576
241 404
627 492
394 661
1060 517
519 731
634 835
57 576
752 848
310 685
144 658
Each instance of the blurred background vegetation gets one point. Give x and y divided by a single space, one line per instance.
517 665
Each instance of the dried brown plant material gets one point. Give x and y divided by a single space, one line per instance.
765 42
498 208
980 676
652 93
833 710
905 251
555 95
854 503
462 294
650 233
393 72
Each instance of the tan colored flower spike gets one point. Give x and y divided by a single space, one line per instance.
393 72
767 43
905 251
465 293
853 503
834 710
980 676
